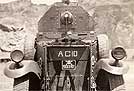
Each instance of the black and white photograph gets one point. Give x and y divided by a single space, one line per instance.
66 45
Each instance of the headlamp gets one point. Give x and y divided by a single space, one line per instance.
66 18
118 53
17 56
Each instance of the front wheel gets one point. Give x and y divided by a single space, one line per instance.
103 42
29 49
28 82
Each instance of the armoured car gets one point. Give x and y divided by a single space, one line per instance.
67 55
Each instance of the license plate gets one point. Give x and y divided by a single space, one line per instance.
67 53
68 64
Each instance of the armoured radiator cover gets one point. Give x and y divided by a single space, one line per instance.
75 79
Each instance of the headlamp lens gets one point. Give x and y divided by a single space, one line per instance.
118 53
66 18
17 56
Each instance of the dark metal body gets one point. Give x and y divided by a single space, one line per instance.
76 79
55 75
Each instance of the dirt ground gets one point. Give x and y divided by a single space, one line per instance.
129 77
7 83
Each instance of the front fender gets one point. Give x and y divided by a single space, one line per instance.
28 66
105 64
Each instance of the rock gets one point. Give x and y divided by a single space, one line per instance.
108 14
108 20
18 14
124 32
12 40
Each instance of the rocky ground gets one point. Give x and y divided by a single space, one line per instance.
130 76
5 83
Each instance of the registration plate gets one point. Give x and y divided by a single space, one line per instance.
68 56
68 64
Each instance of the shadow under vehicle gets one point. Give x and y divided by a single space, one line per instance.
69 55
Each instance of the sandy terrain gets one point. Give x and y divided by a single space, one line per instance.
129 77
7 83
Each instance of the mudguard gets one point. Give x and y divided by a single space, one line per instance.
28 66
105 64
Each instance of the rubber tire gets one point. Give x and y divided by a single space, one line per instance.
29 49
104 47
27 83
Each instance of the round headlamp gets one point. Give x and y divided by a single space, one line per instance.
118 53
17 56
66 18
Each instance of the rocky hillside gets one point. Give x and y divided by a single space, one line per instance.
17 19
112 17
21 13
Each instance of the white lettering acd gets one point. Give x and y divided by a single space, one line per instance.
60 54
67 53
74 53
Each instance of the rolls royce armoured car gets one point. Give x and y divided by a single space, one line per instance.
67 55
